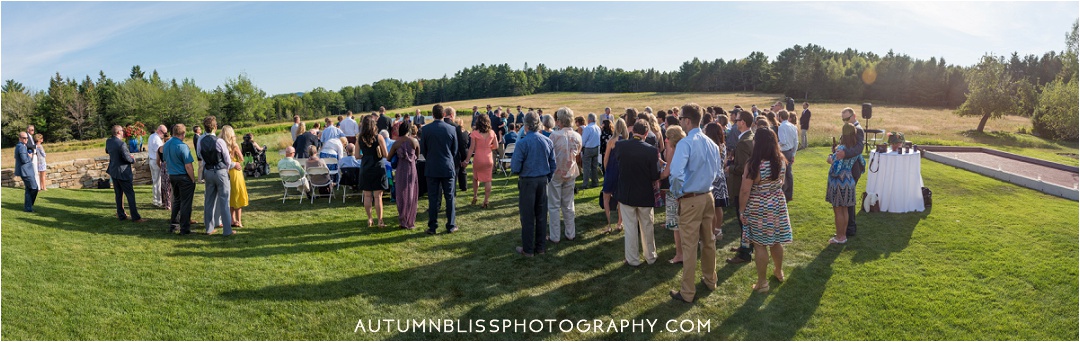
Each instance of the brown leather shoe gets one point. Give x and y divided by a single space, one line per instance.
139 220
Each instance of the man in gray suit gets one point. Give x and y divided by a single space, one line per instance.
216 165
119 170
24 168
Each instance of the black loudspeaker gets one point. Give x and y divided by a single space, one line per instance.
790 104
867 111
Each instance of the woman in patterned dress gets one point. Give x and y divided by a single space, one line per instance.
765 213
166 184
671 203
841 190
719 185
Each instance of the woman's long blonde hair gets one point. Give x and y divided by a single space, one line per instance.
229 135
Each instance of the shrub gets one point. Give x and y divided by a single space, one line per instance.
1056 116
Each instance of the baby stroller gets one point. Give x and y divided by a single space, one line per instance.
256 166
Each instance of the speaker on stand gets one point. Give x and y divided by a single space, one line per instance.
867 113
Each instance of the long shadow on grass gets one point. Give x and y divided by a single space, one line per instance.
59 209
296 239
881 234
792 305
485 270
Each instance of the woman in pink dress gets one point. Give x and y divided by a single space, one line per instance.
483 143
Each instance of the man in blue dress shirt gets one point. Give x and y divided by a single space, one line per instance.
534 163
590 143
691 182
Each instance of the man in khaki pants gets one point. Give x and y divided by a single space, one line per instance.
637 172
691 182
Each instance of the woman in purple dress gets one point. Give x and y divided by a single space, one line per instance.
406 149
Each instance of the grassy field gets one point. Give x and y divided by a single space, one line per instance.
920 124
989 261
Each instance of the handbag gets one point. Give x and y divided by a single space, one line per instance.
927 197
873 206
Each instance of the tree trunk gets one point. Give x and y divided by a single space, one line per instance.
982 123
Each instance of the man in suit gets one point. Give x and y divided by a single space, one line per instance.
217 162
384 122
743 148
637 172
24 168
305 139
419 119
534 163
848 116
438 144
119 170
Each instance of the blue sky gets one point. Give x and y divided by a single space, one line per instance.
297 46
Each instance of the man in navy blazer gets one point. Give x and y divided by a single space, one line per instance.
119 170
24 168
439 144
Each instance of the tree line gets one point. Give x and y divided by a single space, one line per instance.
85 109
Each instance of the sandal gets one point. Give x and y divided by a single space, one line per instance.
673 261
834 241
761 289
780 277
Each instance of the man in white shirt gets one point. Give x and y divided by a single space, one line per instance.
295 130
156 141
788 135
607 116
590 138
349 128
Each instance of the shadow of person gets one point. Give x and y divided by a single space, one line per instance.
881 234
792 304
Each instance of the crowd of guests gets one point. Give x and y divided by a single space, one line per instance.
692 161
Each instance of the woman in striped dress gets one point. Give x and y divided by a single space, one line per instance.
841 190
765 213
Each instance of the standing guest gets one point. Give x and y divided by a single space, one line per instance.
773 123
671 217
754 110
290 163
789 142
392 133
534 163
372 149
591 139
508 119
579 123
155 142
483 142
165 187
31 146
384 122
549 125
560 189
719 186
607 115
438 145
732 134
405 181
858 166
475 114
24 168
198 134
611 175
695 165
638 171
841 190
419 119
238 195
350 128
607 130
764 211
330 132
304 140
520 119
496 122
804 125
119 170
296 130
39 159
216 164
744 147
339 119
178 163
462 153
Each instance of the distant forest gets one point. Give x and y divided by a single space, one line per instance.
83 109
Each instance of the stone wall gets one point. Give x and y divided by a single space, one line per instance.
80 173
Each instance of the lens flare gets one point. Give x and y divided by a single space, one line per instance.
869 76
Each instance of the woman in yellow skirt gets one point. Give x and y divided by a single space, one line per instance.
238 196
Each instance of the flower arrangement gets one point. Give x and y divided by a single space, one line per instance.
134 130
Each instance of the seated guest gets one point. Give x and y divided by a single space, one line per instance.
313 161
348 160
290 163
511 136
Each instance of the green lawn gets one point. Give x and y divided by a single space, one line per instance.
989 261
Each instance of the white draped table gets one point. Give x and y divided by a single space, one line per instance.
897 180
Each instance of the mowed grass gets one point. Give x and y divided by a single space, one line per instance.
989 261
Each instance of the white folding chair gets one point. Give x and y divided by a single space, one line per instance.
332 165
504 159
295 185
320 172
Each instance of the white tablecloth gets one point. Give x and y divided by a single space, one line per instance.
897 182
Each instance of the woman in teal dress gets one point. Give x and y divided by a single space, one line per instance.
841 190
